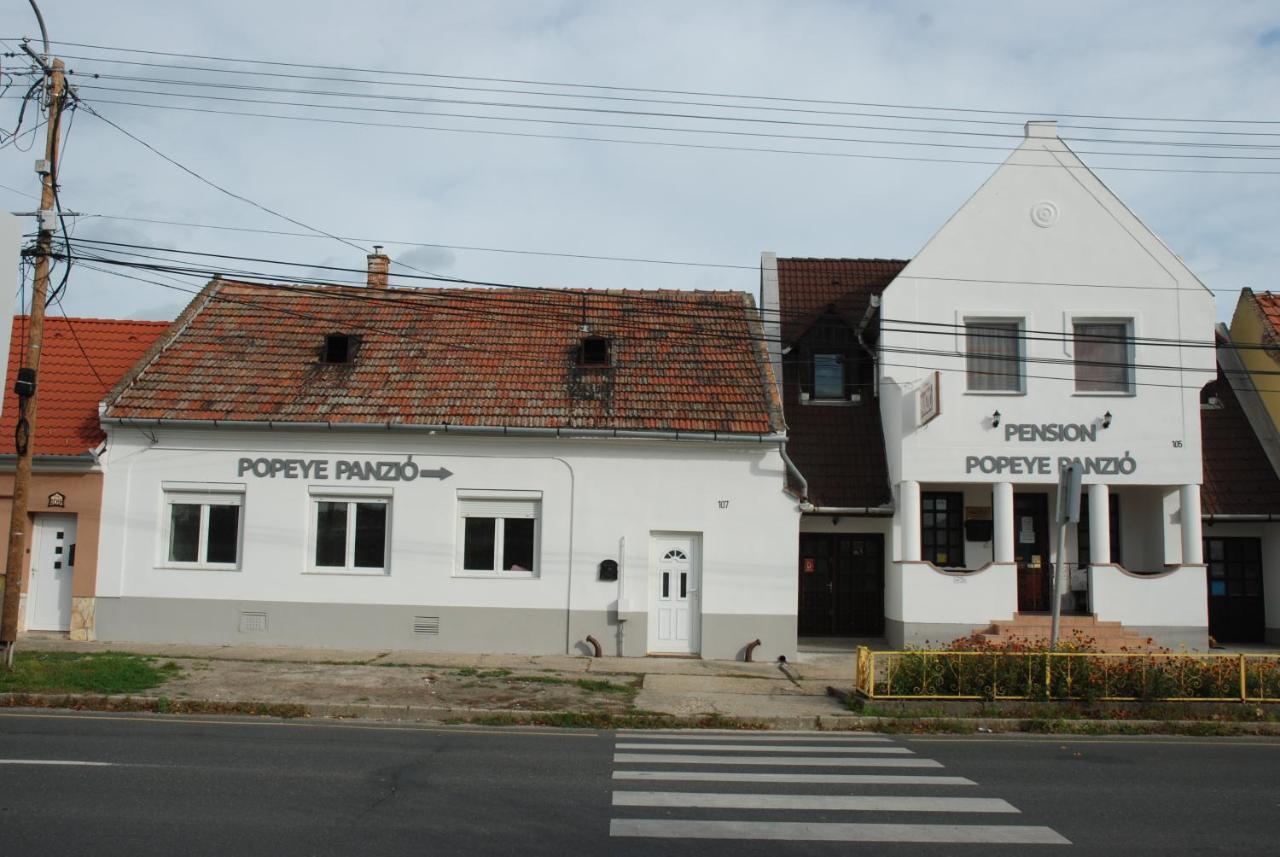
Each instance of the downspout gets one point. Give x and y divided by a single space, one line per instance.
875 360
795 473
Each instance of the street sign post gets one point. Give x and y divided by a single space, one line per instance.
1068 513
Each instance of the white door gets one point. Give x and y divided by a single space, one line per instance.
52 557
675 618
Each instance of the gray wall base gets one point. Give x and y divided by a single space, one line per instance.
383 626
1175 637
931 635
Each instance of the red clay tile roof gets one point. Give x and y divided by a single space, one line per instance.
1238 476
68 391
807 287
838 448
1269 305
682 361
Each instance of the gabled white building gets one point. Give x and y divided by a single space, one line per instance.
1042 324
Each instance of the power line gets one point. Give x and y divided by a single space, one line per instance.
642 113
634 100
693 93
675 313
468 247
914 366
680 145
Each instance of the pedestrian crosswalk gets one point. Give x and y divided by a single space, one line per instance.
779 786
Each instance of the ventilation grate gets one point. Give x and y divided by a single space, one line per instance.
429 625
253 623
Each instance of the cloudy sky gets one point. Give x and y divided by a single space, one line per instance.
1140 61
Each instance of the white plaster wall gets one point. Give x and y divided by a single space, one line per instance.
924 594
1096 261
594 493
1177 598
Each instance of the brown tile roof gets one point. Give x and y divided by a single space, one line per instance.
71 382
1238 476
840 451
807 287
838 448
682 361
1269 306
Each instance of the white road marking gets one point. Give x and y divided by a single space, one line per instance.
783 777
793 761
764 748
839 803
66 762
830 832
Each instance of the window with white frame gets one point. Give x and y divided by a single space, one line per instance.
1103 356
993 356
349 534
498 535
202 529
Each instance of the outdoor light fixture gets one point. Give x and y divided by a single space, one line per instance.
1106 420
995 420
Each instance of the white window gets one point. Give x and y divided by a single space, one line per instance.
1103 356
498 536
202 529
993 356
349 534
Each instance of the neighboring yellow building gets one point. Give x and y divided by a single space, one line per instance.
1257 323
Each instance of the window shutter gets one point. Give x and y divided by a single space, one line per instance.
490 508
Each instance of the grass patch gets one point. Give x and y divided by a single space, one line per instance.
588 684
73 672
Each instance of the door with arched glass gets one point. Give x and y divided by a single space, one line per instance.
675 598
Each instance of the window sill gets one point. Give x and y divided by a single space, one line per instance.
829 402
1104 394
196 566
349 572
497 575
995 392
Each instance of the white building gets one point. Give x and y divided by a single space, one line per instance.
1040 325
492 470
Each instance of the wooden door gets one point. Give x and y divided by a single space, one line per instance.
1031 551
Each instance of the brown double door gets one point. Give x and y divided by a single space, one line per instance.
841 585
1031 551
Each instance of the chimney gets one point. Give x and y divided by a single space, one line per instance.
1042 128
379 264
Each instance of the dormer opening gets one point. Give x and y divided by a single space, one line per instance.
338 348
593 351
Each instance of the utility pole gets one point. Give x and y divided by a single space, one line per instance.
25 386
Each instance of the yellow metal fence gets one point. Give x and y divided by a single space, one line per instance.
1118 676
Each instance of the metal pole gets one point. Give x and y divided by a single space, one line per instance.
1055 600
22 471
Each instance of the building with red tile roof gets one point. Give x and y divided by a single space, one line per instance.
82 358
462 469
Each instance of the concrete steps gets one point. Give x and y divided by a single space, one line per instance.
1035 628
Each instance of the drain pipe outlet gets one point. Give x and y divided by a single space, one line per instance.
595 646
751 647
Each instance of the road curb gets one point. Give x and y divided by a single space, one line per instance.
638 720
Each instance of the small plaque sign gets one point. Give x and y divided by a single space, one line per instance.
57 500
930 398
810 565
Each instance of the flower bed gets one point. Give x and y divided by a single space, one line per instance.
973 669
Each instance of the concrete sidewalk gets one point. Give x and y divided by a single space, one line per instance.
435 683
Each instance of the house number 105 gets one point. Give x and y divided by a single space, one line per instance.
1177 444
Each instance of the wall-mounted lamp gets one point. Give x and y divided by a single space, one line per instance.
1106 420
995 420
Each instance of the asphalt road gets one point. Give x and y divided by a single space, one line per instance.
136 785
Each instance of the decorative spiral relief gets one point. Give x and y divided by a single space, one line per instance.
1044 214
